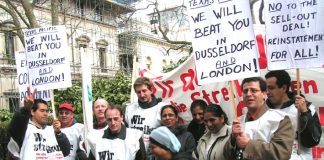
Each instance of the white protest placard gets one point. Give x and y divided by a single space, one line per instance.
22 77
224 43
48 64
294 33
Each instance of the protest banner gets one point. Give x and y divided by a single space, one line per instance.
224 44
47 61
23 81
294 35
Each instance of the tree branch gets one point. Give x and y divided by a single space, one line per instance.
29 11
54 12
15 22
17 12
165 34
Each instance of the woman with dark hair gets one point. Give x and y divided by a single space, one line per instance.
211 144
197 127
169 118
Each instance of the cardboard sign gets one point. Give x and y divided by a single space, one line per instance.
23 81
47 61
294 32
224 45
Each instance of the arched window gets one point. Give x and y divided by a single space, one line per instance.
148 62
82 43
102 54
9 41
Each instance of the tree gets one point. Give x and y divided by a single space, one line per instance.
16 9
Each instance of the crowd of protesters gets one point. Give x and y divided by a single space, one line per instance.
150 129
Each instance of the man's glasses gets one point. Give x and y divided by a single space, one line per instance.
253 90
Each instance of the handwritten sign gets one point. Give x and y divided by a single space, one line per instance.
47 60
294 32
224 43
23 81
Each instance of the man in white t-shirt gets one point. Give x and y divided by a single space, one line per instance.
117 141
144 115
35 139
72 129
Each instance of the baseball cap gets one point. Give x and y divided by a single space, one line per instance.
66 106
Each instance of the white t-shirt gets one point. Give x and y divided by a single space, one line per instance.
144 120
40 144
75 134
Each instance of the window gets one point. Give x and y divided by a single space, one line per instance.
103 60
153 22
84 47
98 14
148 62
126 63
60 5
10 46
80 7
39 1
82 43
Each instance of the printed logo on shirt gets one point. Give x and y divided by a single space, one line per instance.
138 120
106 155
43 147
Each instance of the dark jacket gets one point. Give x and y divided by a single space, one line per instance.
154 102
310 128
196 129
187 141
18 127
182 156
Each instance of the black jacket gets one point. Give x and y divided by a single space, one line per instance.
197 130
18 127
310 128
185 138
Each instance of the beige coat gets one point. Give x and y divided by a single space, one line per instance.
216 150
280 141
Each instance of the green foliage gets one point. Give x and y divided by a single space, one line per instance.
115 90
172 66
5 115
5 118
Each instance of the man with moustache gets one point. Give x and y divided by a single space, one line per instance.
261 133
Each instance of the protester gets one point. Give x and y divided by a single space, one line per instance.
37 140
117 141
211 144
266 133
166 146
72 129
279 97
169 116
144 115
197 127
99 107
